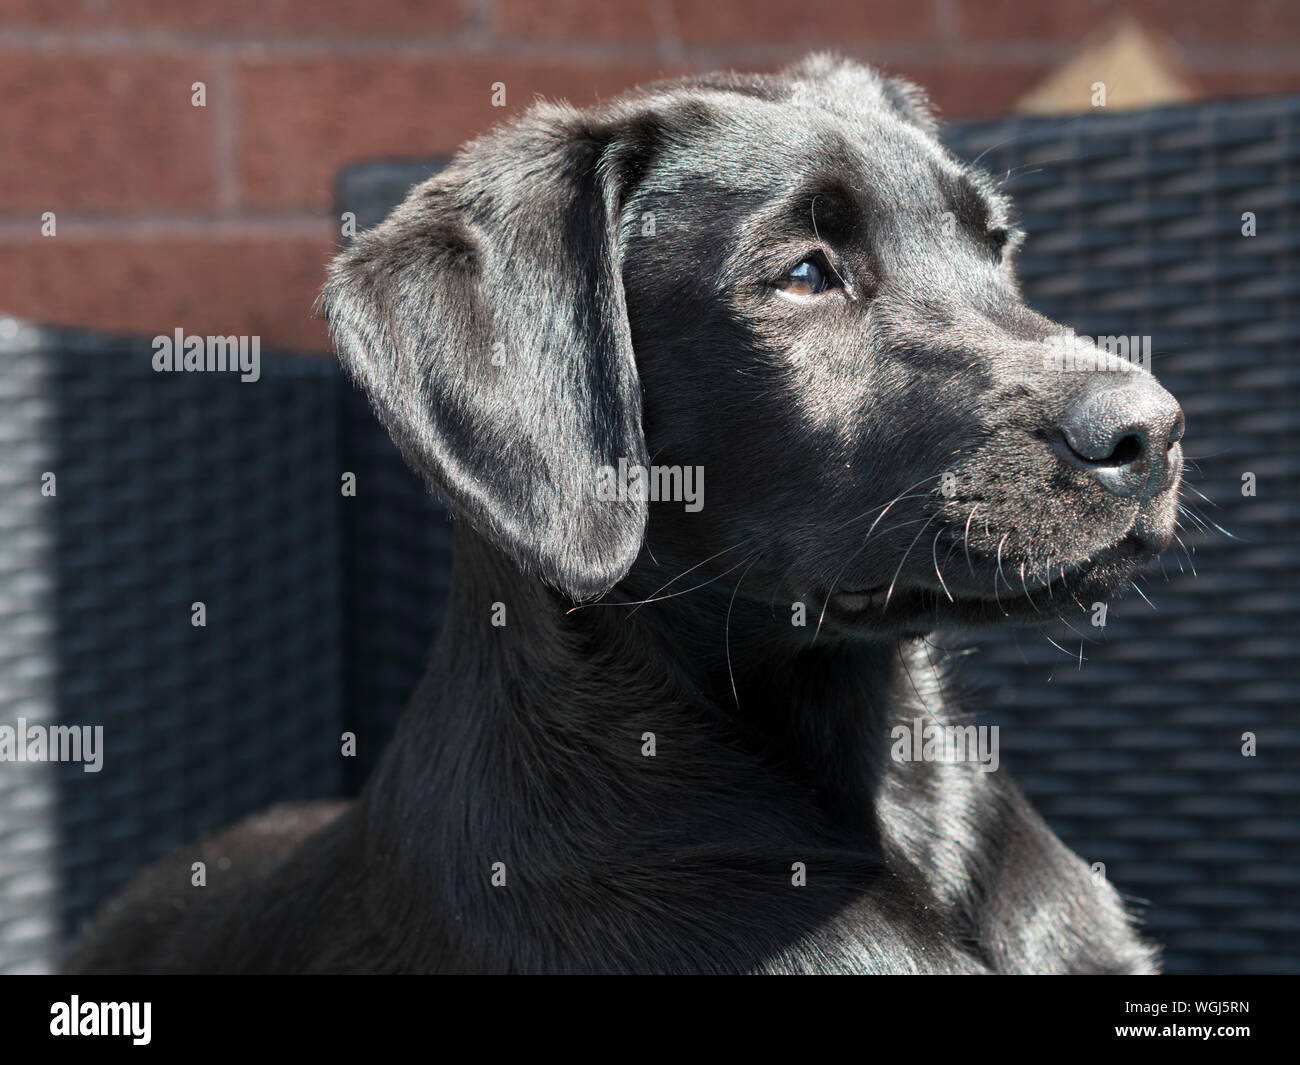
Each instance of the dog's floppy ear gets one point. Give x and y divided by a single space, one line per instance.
486 319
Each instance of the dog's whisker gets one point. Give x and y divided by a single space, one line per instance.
1180 564
1068 654
966 539
1191 565
885 510
812 212
726 637
1192 488
849 561
636 604
1143 594
692 569
1020 650
1025 587
1073 595
890 594
862 546
1040 164
937 571
906 493
1082 636
1001 544
1193 517
994 147
1205 522
898 649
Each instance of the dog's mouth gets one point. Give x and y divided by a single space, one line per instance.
993 591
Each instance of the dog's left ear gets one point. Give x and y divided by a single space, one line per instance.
486 319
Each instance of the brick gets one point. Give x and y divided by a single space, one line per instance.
281 17
1048 22
263 285
104 133
728 22
1211 22
305 119
971 90
1214 22
1248 82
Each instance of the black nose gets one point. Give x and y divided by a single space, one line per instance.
1123 432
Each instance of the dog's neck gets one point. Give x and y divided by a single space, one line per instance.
602 692
566 749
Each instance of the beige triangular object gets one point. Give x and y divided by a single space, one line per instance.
1125 67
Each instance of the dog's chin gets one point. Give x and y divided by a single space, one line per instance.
1005 594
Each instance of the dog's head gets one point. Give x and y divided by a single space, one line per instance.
787 283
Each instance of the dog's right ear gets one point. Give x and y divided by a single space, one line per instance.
850 80
486 320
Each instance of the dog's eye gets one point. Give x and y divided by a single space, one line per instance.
809 278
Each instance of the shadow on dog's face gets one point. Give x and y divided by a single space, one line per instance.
788 283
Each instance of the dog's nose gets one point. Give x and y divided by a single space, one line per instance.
1124 433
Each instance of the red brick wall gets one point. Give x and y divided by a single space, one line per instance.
218 219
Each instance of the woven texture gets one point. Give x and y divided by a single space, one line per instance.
172 488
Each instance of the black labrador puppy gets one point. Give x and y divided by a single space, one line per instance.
667 731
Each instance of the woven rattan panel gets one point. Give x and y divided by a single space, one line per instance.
171 489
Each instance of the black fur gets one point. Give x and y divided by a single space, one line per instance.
521 320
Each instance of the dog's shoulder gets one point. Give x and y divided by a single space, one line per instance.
173 911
